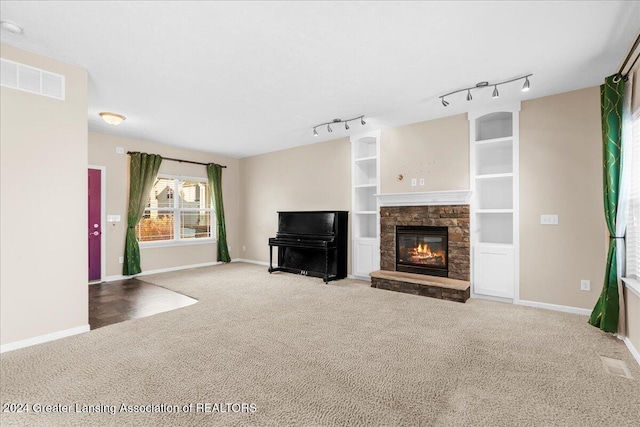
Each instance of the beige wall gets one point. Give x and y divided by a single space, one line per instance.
43 214
436 150
102 152
561 173
312 177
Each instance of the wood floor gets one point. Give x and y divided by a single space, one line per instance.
124 300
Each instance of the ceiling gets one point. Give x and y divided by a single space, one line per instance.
245 78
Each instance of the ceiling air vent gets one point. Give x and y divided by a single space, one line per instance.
33 80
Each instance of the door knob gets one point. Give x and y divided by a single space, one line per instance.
95 233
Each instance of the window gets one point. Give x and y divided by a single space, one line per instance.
632 236
179 210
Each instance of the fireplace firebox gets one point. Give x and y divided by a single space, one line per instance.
422 250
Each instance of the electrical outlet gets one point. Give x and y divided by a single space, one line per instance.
585 285
229 247
414 182
121 260
244 248
119 150
421 181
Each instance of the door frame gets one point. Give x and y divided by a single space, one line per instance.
103 216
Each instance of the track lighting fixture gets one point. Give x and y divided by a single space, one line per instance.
481 85
336 121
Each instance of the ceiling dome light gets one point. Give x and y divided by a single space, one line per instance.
11 27
525 86
112 118
495 92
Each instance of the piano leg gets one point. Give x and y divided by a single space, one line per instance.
326 266
270 259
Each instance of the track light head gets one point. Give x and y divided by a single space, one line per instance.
315 132
362 122
329 128
495 92
525 86
444 102
346 125
469 97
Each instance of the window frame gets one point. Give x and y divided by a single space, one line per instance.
177 211
633 283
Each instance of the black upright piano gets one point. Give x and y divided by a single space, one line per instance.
312 243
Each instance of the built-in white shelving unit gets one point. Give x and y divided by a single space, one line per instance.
365 172
494 206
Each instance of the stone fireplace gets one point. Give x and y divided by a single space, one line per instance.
425 250
455 219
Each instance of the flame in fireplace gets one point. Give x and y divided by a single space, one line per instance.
423 254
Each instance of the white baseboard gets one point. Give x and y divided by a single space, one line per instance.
632 349
251 261
43 338
161 270
490 298
555 307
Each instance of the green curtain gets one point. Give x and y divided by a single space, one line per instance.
605 313
214 173
143 170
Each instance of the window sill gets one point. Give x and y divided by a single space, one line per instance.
633 285
169 243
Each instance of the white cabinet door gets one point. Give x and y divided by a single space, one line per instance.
493 271
365 257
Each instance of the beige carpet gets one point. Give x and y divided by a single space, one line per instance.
306 353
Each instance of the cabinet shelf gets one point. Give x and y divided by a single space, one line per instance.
365 185
365 159
366 212
495 176
494 140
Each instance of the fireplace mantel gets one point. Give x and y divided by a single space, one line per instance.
428 198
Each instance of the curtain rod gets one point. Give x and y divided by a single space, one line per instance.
179 160
629 55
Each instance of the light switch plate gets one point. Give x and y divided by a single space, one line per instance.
113 218
549 219
119 150
421 181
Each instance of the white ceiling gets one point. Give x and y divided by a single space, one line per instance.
244 78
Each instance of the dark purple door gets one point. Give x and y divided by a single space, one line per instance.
95 230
